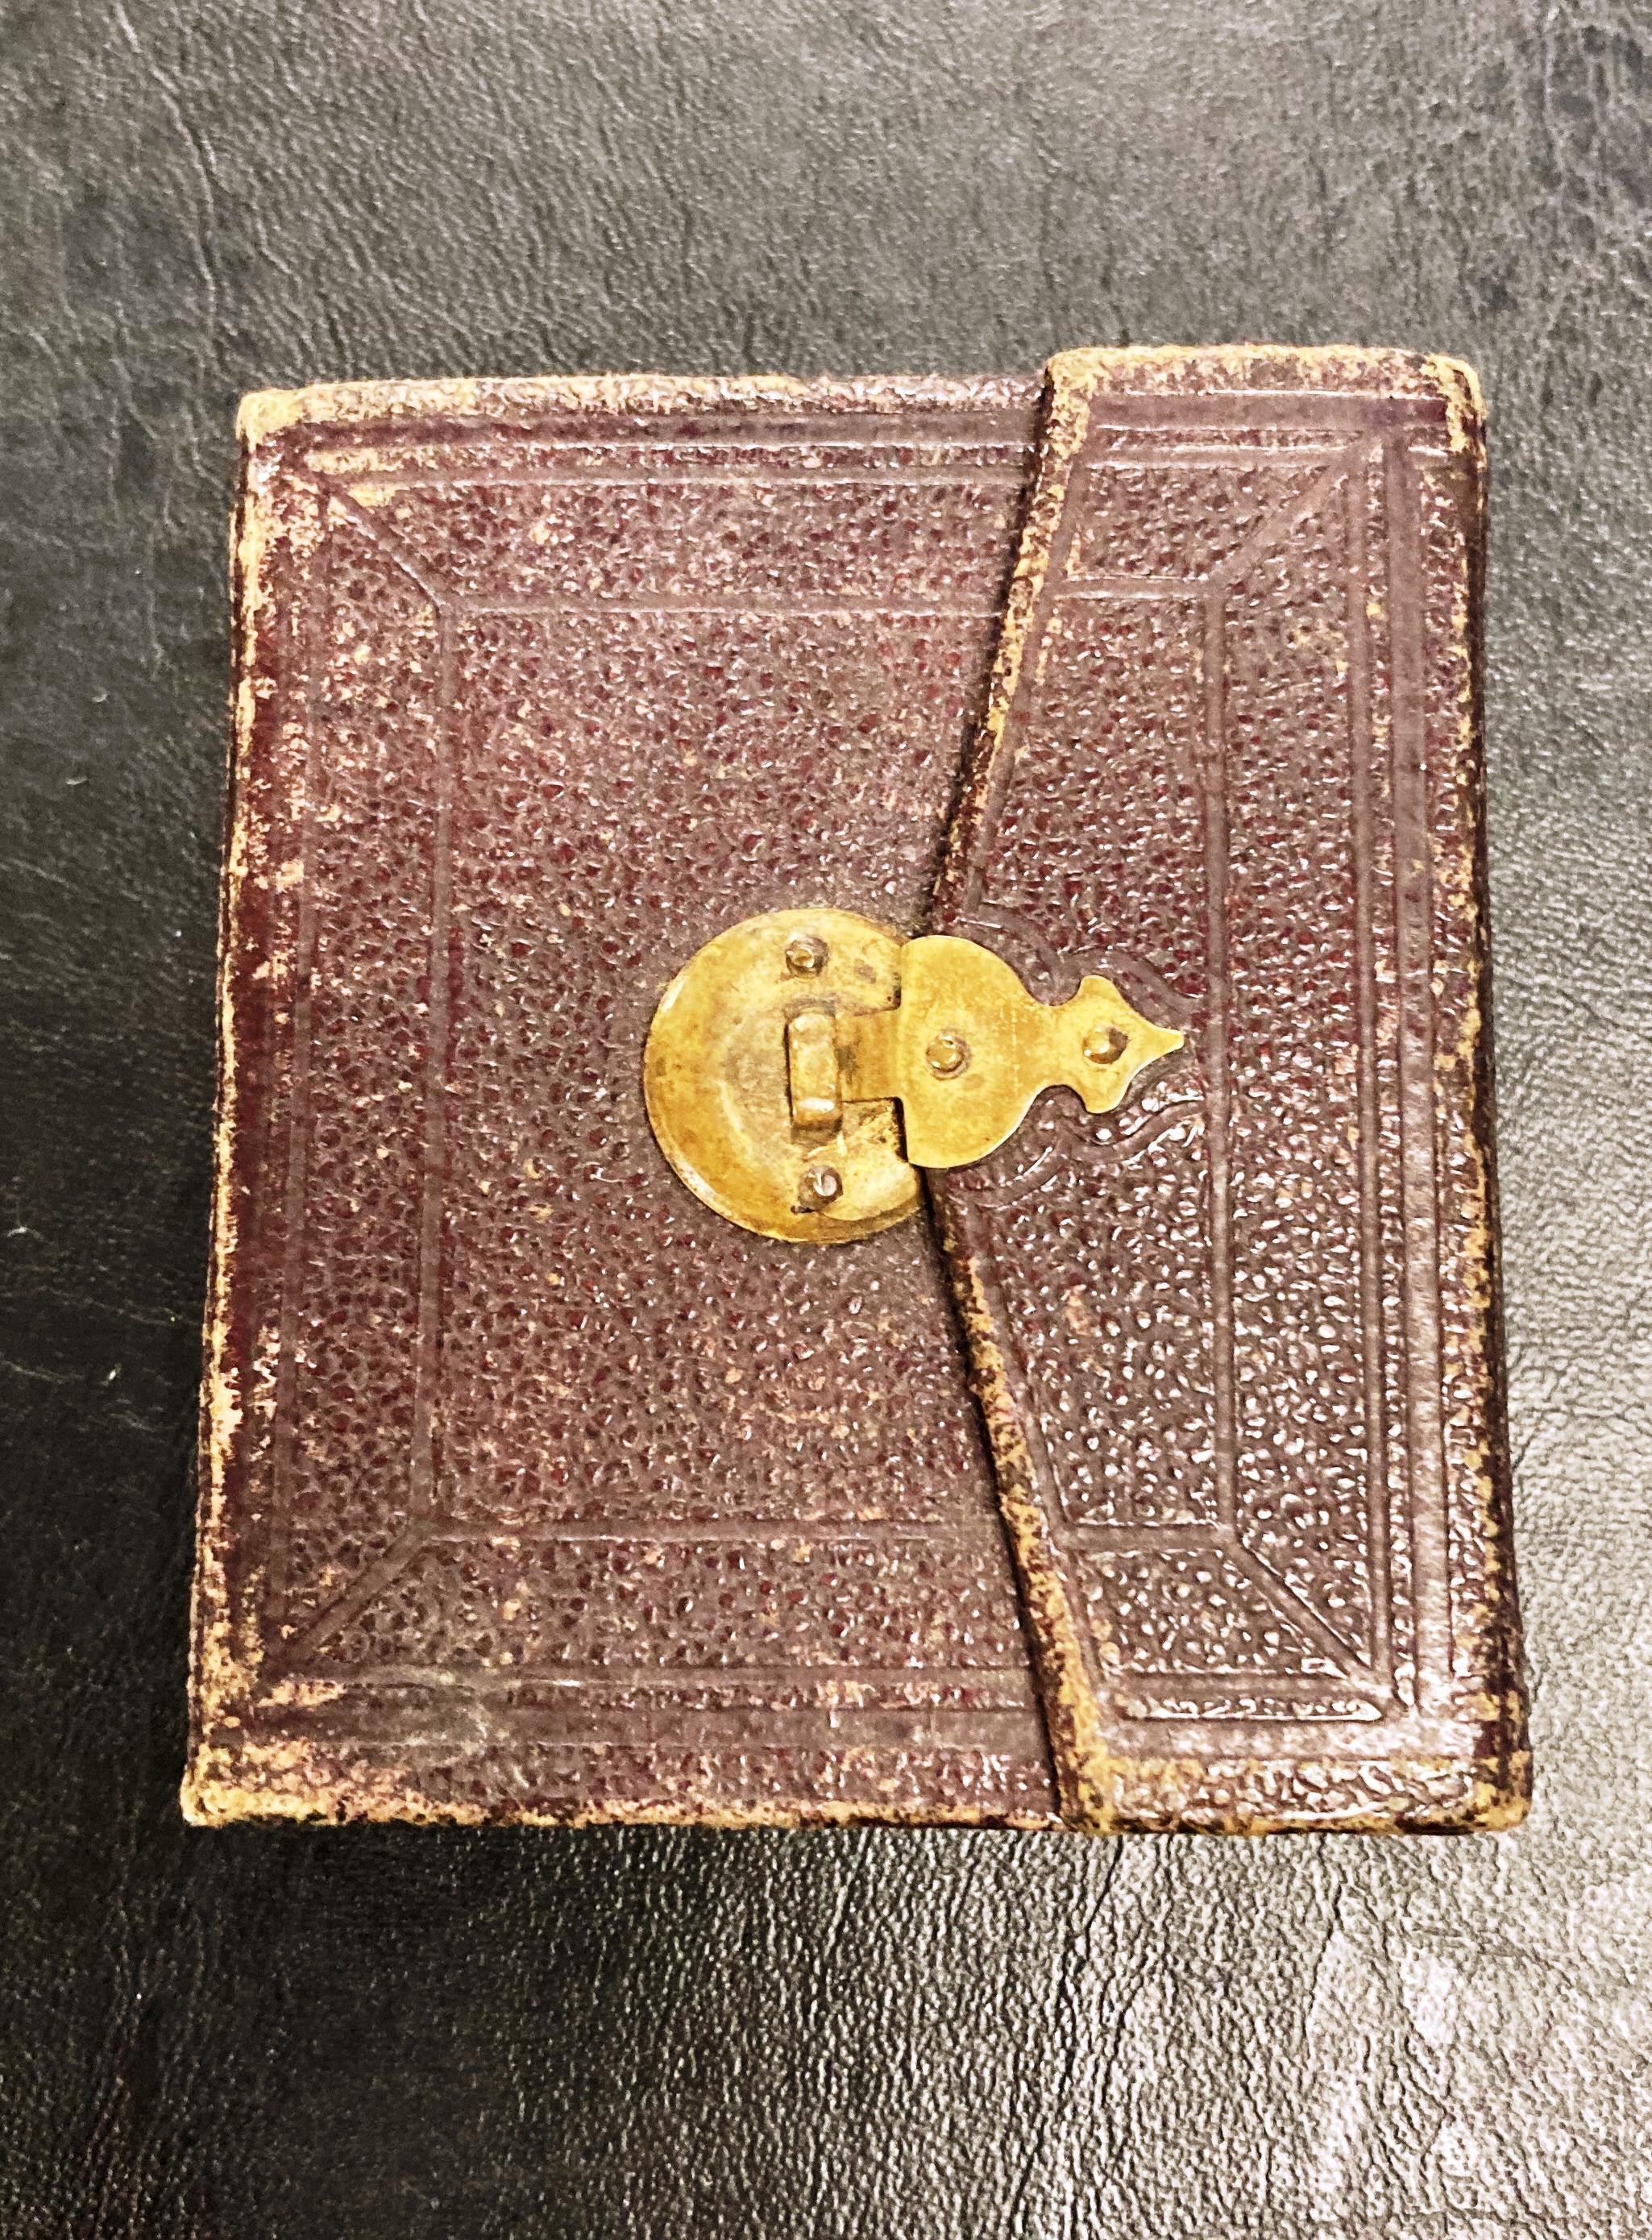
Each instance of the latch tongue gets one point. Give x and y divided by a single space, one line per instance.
778 1054
967 1050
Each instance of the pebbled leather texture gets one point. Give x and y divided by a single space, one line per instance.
532 1486
658 2032
1237 1340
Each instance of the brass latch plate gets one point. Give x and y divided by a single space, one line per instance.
780 1053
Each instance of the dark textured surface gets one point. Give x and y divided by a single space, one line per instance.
536 1486
395 2032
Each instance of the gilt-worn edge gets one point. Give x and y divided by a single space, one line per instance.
1465 1102
1072 1710
1173 369
218 1676
288 1782
266 412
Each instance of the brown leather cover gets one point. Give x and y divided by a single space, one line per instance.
534 1490
1237 1342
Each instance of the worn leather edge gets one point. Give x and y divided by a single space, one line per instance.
1093 1778
1504 1794
267 412
215 1671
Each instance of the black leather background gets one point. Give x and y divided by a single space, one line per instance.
262 2035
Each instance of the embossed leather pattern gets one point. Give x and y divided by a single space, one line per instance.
571 1498
1240 1337
535 1489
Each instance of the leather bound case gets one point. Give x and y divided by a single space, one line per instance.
1153 1478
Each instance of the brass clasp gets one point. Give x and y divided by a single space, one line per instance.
779 1053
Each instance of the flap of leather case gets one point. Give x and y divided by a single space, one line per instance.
1235 1340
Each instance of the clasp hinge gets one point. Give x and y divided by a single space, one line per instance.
779 1055
966 1050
